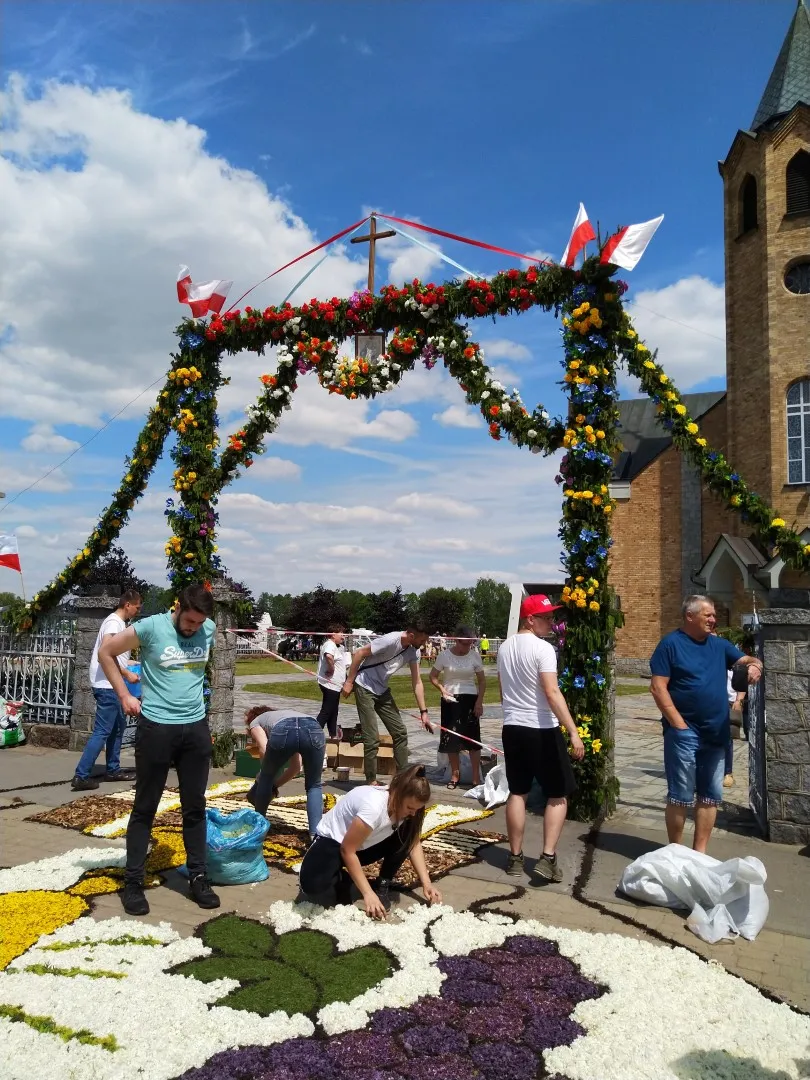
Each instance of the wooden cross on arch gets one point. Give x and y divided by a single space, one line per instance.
372 238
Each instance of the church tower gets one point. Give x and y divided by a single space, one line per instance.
766 181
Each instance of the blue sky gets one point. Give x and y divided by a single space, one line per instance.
233 136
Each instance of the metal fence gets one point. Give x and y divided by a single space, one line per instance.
36 670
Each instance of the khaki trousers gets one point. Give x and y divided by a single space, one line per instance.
369 707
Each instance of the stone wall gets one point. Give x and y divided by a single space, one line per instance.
91 613
786 653
223 667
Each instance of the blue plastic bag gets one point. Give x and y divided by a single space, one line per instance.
234 847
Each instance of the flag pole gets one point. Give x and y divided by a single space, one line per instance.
22 586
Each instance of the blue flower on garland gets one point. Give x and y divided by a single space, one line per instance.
601 552
191 341
591 562
598 341
596 658
599 680
579 682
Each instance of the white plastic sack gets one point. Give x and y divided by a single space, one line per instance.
494 791
725 899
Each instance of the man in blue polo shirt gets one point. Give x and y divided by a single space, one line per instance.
172 731
689 677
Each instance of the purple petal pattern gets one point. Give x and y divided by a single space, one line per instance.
499 1010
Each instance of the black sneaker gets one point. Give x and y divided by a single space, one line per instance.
134 899
382 888
201 892
119 775
88 784
251 796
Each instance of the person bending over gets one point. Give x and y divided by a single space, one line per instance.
286 737
369 824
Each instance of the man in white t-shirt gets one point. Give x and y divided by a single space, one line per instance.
533 743
110 722
371 668
333 663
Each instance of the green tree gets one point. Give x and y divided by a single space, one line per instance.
111 575
7 599
359 607
443 609
390 612
316 610
277 606
491 602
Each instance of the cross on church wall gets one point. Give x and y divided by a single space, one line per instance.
371 239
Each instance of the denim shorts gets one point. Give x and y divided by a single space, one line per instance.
692 766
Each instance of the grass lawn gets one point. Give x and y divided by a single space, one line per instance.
628 689
271 667
309 690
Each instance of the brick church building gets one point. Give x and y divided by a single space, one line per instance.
672 537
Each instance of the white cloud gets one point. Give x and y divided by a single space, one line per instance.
352 551
146 197
42 439
504 349
15 479
26 532
455 543
251 507
686 323
458 416
538 255
274 468
435 505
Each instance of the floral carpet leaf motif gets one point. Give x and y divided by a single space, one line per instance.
234 936
340 976
298 972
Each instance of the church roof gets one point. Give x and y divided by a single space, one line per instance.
642 435
789 83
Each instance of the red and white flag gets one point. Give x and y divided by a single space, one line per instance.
627 246
581 233
201 298
9 556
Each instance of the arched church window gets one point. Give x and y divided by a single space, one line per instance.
748 204
798 183
798 431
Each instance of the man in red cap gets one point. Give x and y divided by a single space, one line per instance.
533 744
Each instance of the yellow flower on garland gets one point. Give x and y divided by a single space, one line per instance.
778 523
649 364
663 379
594 605
735 500
680 410
701 442
692 428
596 745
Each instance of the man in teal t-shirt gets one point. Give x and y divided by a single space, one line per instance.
172 731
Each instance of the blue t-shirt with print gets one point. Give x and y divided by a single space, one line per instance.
698 680
172 669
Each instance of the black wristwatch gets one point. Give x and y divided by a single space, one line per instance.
423 711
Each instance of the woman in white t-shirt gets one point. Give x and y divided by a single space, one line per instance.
458 675
333 664
367 825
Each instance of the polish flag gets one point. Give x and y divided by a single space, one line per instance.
203 297
9 555
627 246
580 235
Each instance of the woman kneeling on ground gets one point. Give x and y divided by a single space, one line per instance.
369 824
286 737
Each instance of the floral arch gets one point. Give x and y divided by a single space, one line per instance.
428 323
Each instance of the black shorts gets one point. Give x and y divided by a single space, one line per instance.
537 754
458 715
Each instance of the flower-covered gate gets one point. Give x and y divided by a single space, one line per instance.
427 323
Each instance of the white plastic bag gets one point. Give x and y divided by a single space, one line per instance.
12 732
494 791
724 898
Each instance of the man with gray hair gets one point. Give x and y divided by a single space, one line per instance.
689 669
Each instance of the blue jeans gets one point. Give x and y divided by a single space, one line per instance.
692 765
108 731
295 735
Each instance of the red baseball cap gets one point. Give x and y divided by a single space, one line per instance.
539 604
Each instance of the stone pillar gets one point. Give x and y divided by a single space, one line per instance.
220 713
91 611
786 654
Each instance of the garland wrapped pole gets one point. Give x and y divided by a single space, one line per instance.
427 323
